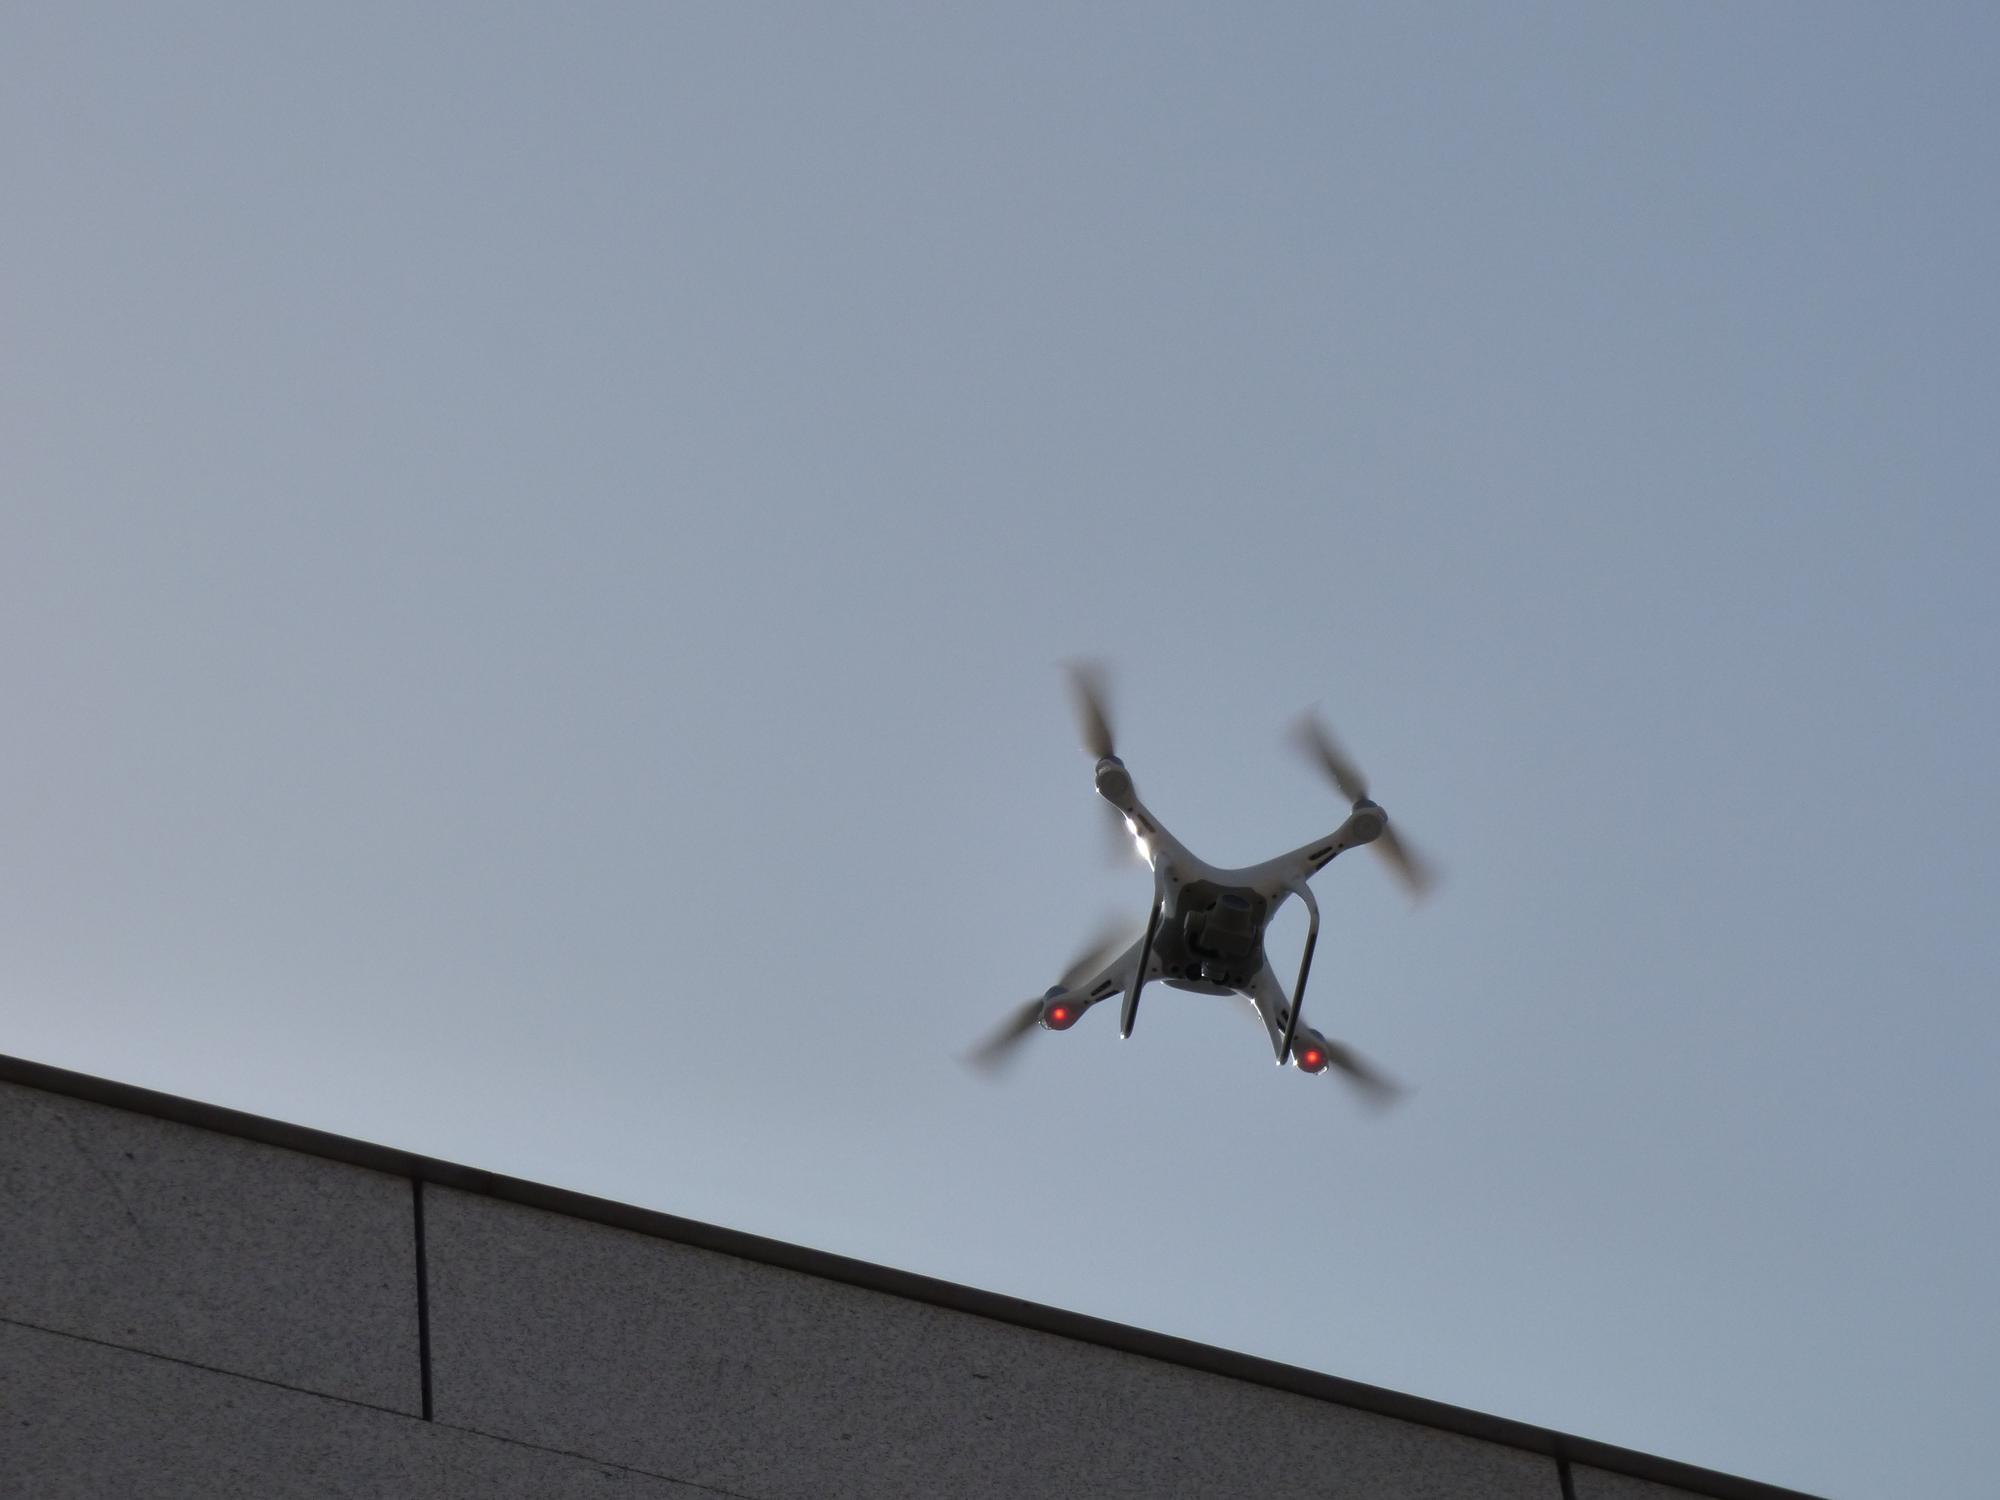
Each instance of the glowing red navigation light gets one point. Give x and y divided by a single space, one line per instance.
1312 1059
1060 1015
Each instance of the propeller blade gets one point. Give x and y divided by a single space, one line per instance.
1001 1046
1417 873
1317 744
1377 1087
1086 685
1112 936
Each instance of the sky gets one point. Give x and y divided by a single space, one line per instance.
538 544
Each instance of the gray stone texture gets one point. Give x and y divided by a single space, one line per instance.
83 1421
207 1248
770 1383
1600 1484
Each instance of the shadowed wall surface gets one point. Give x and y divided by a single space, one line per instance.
195 1301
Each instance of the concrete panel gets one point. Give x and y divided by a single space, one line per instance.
1597 1484
205 1247
767 1382
87 1422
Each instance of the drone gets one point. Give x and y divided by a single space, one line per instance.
1205 931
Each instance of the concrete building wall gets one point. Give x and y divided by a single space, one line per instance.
199 1303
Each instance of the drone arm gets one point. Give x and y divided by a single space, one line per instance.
1279 1018
1290 872
1130 969
1319 1053
1114 785
1058 1009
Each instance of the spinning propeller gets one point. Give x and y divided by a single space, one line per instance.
1316 742
1000 1046
1316 1054
1086 685
1087 688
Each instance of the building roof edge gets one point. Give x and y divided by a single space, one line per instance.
910 1284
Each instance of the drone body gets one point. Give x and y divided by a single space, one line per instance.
1205 931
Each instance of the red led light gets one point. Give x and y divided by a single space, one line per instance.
1060 1015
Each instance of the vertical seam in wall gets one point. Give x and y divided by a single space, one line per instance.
423 1296
1562 1468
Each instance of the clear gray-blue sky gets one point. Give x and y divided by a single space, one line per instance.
537 540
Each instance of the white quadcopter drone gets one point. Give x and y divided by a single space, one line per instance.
1205 932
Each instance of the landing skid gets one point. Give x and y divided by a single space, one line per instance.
1305 967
